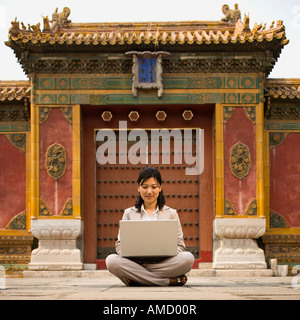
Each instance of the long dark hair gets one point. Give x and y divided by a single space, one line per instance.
144 175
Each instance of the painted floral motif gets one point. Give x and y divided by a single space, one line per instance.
56 161
277 138
228 208
44 210
240 161
18 140
68 208
18 222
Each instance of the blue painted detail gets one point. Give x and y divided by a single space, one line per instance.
147 70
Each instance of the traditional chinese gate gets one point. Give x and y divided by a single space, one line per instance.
115 183
117 190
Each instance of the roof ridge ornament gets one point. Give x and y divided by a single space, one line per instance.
231 15
59 20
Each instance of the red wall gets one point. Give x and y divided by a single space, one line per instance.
239 129
285 179
12 181
55 193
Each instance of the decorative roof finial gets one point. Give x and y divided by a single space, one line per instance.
231 15
60 20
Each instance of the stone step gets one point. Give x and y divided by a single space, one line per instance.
105 274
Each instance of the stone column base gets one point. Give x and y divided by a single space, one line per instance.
235 245
58 249
239 254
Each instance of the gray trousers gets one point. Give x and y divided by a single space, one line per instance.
151 274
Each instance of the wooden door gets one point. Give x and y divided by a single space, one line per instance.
117 190
108 189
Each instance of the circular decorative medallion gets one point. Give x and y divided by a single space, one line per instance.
240 161
56 161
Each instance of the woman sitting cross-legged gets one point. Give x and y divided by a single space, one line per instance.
151 206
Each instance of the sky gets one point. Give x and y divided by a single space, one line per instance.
259 11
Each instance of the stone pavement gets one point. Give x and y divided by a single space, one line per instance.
101 285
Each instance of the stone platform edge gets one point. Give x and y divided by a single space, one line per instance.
106 274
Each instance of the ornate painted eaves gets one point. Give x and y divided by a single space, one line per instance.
14 90
283 89
61 36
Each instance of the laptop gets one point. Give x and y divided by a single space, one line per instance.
148 238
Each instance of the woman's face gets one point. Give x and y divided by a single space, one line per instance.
149 191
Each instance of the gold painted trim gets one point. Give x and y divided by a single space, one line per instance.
219 141
35 139
76 163
127 91
282 231
28 180
260 194
241 216
9 232
267 178
57 217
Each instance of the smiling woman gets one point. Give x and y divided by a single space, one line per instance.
162 271
150 191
